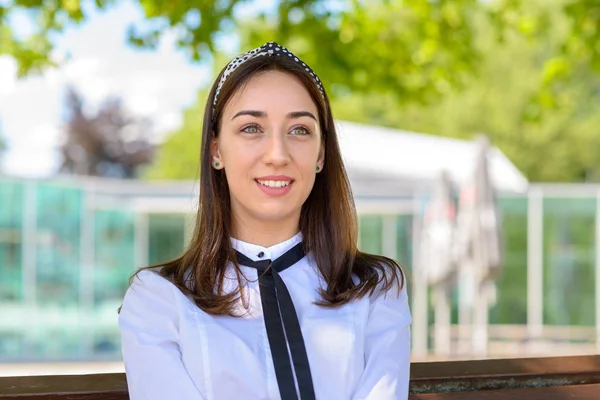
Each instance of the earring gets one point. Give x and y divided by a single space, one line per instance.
318 168
217 164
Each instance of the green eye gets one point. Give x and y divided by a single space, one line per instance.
300 131
251 129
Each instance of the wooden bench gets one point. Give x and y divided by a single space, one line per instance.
527 378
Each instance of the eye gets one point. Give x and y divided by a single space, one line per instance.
300 131
251 129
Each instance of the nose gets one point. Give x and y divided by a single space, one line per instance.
276 149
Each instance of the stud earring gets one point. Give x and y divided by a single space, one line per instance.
318 168
217 164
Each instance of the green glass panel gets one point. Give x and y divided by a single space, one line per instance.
166 238
114 264
404 242
114 255
58 244
569 258
511 286
11 236
58 331
370 230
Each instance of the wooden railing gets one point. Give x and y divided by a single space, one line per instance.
527 378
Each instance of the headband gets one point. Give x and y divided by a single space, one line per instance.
267 49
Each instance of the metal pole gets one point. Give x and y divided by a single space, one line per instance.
442 321
29 260
86 284
480 319
597 288
466 300
29 242
389 234
141 233
419 305
535 226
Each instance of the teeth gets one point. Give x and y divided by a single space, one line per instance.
274 184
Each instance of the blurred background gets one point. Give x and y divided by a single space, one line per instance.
470 130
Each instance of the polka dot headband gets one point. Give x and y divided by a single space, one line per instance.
267 49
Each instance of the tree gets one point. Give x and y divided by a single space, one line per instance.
415 58
552 137
110 143
179 155
416 49
549 136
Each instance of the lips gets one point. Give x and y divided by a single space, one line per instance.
274 185
274 181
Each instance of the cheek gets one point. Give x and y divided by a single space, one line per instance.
310 158
239 166
308 169
237 169
237 157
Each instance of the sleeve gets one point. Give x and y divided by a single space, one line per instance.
387 349
148 322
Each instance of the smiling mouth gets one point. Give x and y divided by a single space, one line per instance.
273 184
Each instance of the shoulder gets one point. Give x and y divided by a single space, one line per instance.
150 280
389 303
154 305
151 293
152 311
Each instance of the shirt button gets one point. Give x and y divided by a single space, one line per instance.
261 254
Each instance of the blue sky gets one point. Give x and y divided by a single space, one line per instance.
158 84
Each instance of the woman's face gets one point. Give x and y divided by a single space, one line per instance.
270 147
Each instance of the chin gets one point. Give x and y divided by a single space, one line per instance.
274 214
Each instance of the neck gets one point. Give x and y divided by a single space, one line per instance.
263 233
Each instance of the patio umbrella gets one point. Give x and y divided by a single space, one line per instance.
436 260
477 248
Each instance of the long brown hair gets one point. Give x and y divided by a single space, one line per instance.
328 219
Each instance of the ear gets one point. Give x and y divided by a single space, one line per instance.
215 155
321 159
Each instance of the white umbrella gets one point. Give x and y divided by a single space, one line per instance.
478 249
436 264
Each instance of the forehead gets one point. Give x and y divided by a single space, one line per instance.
271 90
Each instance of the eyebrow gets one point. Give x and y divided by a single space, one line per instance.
262 114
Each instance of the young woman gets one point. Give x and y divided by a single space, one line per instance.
272 299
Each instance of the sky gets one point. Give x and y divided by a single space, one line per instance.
158 84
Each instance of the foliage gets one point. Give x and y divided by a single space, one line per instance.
413 48
179 155
110 143
549 137
524 72
407 48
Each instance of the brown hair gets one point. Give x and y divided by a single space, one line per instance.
328 219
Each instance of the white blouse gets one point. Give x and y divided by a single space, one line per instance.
174 350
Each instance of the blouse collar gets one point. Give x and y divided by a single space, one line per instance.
257 253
